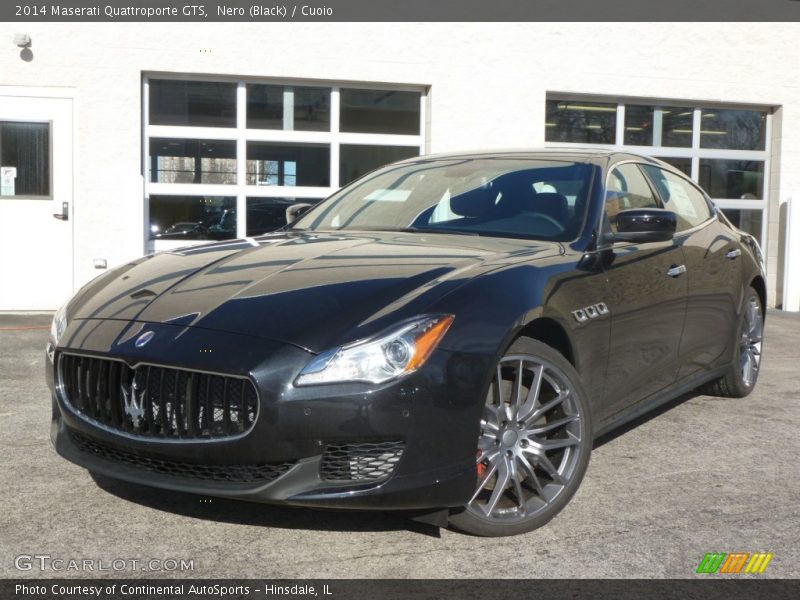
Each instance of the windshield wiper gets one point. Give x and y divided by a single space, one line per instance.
439 230
392 230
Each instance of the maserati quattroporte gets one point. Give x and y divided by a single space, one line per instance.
445 336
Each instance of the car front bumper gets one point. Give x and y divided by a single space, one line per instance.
431 417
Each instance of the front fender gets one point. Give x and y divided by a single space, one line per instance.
495 309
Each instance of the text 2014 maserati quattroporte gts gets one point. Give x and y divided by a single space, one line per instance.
445 336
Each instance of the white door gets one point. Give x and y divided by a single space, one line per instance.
35 202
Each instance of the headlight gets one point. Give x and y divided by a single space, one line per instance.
58 325
391 354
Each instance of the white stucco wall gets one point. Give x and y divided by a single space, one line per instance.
488 85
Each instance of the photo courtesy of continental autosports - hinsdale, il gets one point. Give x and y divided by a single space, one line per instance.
446 335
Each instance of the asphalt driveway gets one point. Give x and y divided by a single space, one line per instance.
702 475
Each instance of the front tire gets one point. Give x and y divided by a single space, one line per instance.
534 443
743 372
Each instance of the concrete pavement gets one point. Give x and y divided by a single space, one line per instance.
704 474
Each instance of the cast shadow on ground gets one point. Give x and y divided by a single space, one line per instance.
261 515
265 515
642 419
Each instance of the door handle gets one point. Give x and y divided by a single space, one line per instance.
676 271
733 254
64 214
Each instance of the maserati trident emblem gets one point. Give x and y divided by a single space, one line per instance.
133 402
144 338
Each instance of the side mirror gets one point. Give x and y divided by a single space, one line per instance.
295 211
641 225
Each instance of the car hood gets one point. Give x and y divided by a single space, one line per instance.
312 290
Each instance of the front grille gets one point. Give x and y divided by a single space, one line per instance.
361 461
262 473
157 402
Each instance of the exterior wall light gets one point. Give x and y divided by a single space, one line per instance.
23 40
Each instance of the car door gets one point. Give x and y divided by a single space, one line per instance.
646 298
713 272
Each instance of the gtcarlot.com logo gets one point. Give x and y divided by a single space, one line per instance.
46 562
734 563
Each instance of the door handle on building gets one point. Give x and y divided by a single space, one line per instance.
733 254
676 271
64 214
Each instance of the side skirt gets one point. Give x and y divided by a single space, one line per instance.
645 406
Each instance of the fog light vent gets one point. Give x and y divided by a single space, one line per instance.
361 461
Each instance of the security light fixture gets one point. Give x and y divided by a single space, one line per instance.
23 40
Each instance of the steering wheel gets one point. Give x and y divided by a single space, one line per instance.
559 227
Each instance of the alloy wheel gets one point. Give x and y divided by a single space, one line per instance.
750 344
530 440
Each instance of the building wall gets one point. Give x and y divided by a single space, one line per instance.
487 88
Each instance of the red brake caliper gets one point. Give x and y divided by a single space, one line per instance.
481 467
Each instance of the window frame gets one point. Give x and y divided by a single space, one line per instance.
241 134
694 152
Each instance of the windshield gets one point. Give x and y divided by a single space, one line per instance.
507 197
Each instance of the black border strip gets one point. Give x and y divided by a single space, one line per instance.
399 10
702 587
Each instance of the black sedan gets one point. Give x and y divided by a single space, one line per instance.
445 336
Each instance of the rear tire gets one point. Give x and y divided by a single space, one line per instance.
742 375
534 443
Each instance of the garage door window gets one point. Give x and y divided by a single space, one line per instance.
222 159
194 103
723 148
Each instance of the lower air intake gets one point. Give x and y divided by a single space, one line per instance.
258 473
361 461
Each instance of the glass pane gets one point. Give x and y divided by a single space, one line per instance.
733 129
658 126
746 220
680 196
682 164
511 197
271 163
24 159
198 103
580 122
192 161
630 188
265 106
627 188
380 111
312 109
357 160
309 110
267 214
735 179
192 217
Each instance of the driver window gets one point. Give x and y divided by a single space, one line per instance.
627 188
